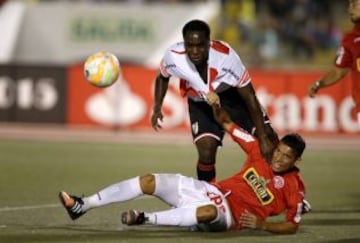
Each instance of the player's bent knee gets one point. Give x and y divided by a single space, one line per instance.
147 183
206 214
207 148
207 143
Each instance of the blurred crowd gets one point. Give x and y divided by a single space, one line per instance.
268 32
282 31
116 1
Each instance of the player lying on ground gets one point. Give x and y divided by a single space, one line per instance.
243 200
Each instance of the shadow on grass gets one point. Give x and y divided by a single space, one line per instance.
354 240
334 217
323 222
86 233
335 211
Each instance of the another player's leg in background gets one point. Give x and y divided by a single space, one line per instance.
207 136
207 149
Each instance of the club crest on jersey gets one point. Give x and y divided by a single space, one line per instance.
258 184
278 182
195 127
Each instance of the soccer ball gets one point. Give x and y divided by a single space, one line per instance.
102 69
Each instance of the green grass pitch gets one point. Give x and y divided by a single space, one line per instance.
32 173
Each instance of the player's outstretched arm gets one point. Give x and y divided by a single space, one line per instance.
331 77
267 146
161 87
240 136
222 117
249 220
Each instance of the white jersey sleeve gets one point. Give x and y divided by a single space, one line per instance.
230 69
165 64
175 63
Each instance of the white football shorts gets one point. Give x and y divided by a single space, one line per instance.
181 192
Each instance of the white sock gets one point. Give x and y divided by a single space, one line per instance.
119 192
173 217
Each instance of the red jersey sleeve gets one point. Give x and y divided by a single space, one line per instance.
348 56
246 141
294 195
344 57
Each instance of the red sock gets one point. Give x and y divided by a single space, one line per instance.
206 172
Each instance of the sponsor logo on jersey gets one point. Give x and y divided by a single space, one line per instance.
231 72
243 135
171 65
258 184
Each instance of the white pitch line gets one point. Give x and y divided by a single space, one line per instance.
9 209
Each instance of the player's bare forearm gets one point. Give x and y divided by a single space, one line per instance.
249 96
266 145
249 220
257 115
279 228
222 117
333 76
330 78
161 86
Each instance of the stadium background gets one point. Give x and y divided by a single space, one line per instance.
57 132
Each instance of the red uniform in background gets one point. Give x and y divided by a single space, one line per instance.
348 56
257 189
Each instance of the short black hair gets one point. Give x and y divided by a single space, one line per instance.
196 25
295 142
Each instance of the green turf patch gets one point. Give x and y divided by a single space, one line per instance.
33 172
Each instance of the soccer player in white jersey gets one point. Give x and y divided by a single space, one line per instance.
205 65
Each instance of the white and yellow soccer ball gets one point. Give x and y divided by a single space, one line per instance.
102 69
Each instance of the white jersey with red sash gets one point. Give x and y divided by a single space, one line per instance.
225 69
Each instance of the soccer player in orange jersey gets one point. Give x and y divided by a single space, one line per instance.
245 200
347 59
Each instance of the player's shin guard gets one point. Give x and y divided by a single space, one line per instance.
206 172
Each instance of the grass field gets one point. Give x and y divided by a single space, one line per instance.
32 173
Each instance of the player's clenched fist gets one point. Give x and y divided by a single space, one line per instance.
212 98
155 118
